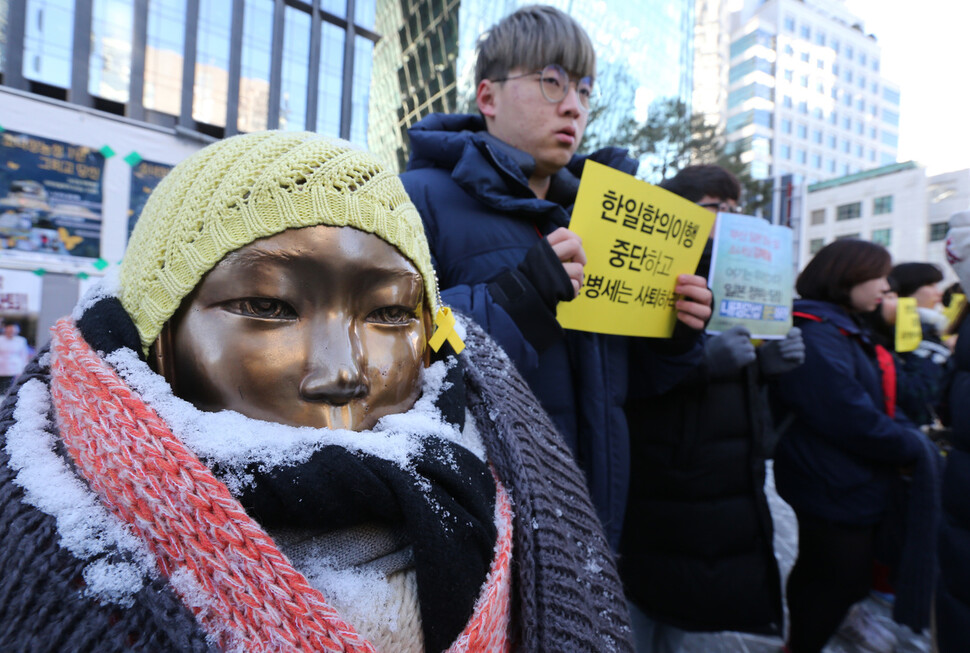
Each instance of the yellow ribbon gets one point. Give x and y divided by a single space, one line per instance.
444 323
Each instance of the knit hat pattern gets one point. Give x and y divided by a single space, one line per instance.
251 186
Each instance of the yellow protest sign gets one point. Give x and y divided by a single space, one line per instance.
638 238
953 310
909 331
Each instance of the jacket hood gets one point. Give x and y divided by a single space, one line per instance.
494 171
829 312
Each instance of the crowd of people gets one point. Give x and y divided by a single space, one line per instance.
321 406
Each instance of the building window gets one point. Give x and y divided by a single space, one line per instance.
890 95
211 90
834 44
848 52
786 152
109 72
833 141
803 108
789 24
882 237
817 161
803 80
830 165
806 32
800 156
848 211
802 130
853 235
163 56
862 58
786 126
333 40
789 75
817 136
938 231
256 64
815 244
805 57
48 41
818 216
882 205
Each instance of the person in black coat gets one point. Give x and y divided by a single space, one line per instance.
953 590
696 552
847 442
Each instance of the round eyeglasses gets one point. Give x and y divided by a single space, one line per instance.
554 82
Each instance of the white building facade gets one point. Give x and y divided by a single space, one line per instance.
897 206
806 99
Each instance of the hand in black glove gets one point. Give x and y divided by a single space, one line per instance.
780 356
728 352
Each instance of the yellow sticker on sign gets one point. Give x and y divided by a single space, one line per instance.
909 331
638 238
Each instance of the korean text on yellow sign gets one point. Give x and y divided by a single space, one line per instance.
637 239
909 331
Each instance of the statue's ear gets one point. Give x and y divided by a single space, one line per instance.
428 328
161 355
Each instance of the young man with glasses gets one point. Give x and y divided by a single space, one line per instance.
495 192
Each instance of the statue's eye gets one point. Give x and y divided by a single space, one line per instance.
263 308
391 315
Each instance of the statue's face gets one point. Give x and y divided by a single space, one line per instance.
321 326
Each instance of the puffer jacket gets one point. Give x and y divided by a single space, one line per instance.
837 459
482 220
953 589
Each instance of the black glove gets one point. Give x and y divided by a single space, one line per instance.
530 293
728 352
780 356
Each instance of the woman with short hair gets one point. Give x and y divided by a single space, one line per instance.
836 462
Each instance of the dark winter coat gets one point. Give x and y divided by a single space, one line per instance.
484 224
696 550
953 590
697 547
837 459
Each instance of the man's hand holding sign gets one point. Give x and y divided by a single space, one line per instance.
642 245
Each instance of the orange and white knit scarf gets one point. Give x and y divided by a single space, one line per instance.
246 595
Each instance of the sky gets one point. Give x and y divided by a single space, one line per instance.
926 51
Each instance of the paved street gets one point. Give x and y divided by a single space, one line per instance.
786 548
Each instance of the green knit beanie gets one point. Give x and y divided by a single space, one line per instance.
252 186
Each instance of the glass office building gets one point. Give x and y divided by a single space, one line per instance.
217 67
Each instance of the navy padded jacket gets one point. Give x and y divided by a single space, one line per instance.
481 219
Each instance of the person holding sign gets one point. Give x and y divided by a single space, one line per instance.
844 452
921 362
697 551
495 192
